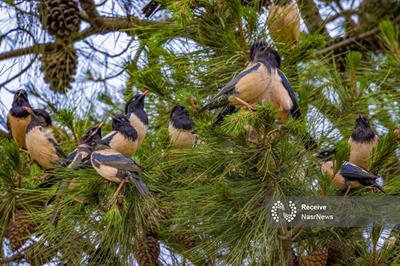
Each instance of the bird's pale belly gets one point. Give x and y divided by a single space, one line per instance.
108 173
180 138
122 145
40 149
360 152
141 128
18 128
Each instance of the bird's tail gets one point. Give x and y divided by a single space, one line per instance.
140 186
215 103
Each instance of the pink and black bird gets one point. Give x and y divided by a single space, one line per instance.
180 128
40 142
135 112
124 138
18 117
116 167
362 142
353 176
81 155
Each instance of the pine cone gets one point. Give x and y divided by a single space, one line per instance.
319 257
59 66
187 239
339 251
19 229
60 17
147 251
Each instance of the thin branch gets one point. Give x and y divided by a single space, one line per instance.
21 72
106 53
344 13
351 39
110 24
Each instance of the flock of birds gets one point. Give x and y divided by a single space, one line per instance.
261 81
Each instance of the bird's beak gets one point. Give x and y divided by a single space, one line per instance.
98 127
20 93
113 117
145 93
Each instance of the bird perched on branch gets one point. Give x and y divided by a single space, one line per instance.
362 141
18 118
81 155
180 128
327 166
40 142
115 167
284 21
137 116
353 176
260 81
124 138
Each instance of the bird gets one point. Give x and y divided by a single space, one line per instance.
40 142
284 21
180 128
18 118
261 81
116 167
137 116
124 138
81 154
362 141
327 166
353 176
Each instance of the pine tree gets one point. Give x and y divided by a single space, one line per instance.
208 202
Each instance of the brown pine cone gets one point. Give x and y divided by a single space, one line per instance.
319 257
20 228
147 251
187 239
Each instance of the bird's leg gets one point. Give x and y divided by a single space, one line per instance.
245 104
348 189
114 197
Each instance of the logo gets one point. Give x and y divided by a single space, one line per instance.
287 216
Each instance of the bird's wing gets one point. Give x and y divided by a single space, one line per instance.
9 127
109 136
70 157
221 98
295 111
59 152
118 161
355 173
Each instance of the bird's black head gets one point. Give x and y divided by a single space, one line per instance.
92 134
325 154
362 130
180 118
136 102
263 52
121 124
20 100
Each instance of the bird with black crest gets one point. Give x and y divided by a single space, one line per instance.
362 142
116 167
137 115
81 154
124 138
327 166
40 142
261 81
18 118
180 128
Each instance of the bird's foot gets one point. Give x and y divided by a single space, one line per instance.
116 194
347 191
245 104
